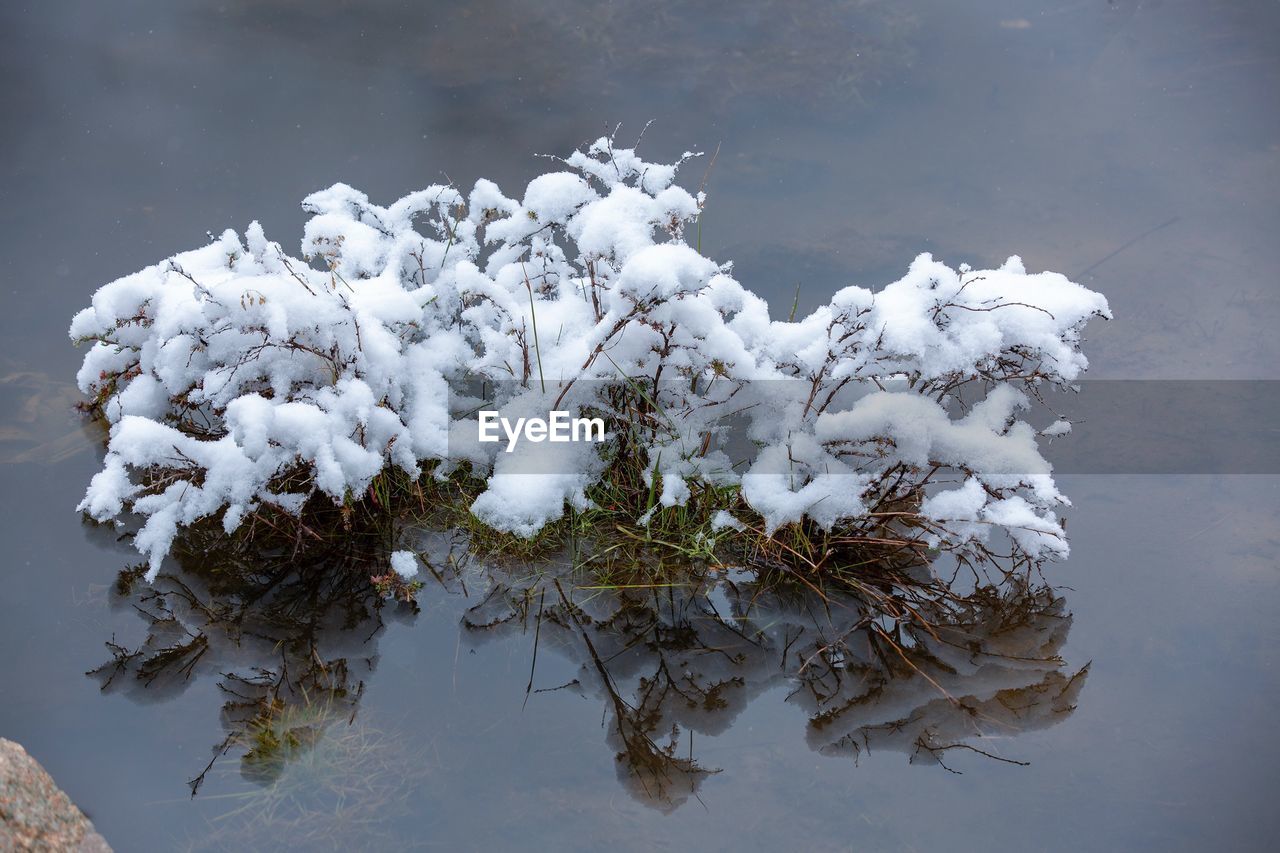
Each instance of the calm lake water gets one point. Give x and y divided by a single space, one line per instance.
1134 145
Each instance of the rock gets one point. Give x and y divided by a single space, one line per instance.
35 814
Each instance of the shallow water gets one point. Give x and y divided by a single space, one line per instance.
1135 145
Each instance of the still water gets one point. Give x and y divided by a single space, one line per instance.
1135 145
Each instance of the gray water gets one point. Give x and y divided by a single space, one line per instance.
1134 145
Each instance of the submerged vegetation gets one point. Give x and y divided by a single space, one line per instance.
39 422
284 619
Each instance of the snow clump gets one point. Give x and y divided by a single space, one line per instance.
237 377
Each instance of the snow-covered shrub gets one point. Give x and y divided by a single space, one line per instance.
238 378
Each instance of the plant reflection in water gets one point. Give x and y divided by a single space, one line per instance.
947 672
291 624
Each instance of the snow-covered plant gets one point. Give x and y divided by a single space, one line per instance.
237 378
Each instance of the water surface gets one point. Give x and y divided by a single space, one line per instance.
1135 145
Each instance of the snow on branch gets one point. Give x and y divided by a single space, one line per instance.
236 376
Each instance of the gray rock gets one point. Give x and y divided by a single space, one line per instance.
35 814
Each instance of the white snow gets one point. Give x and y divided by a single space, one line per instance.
404 564
231 365
1056 429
